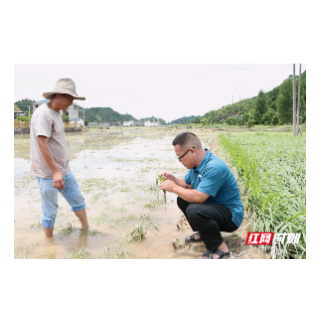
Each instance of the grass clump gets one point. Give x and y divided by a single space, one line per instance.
272 168
139 231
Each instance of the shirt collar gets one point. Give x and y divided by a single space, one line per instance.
203 161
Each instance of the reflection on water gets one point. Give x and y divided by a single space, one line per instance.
116 172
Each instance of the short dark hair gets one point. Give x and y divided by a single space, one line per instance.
187 139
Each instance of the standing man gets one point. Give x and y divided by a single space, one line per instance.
208 195
49 157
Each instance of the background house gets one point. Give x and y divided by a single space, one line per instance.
151 123
138 123
18 113
127 123
77 120
90 124
133 123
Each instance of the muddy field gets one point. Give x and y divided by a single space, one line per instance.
116 171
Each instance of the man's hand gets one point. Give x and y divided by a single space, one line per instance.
167 175
58 181
168 186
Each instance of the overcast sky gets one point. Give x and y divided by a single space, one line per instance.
168 91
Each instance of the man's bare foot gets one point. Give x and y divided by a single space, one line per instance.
48 232
82 215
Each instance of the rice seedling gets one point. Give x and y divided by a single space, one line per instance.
123 253
139 231
159 180
93 232
102 219
67 229
272 168
80 254
35 226
24 249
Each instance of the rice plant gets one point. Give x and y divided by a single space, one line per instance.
123 253
80 254
272 168
159 180
139 231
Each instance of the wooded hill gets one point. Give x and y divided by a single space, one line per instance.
184 120
272 107
162 122
104 114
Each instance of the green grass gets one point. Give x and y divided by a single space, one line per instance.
272 168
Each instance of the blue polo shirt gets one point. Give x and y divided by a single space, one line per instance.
214 178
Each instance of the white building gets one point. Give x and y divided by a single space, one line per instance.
151 123
77 120
127 123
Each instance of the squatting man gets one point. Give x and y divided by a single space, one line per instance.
49 158
208 195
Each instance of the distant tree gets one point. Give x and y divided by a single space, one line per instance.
294 110
161 121
284 101
22 118
260 107
195 120
183 120
24 104
86 122
251 122
106 114
65 117
270 117
16 108
298 107
232 121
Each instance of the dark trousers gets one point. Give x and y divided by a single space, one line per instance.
209 220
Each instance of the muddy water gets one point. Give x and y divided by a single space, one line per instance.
116 172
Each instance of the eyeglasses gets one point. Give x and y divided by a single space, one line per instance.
179 158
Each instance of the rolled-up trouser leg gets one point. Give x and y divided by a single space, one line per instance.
210 219
183 205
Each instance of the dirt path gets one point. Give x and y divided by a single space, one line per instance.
235 240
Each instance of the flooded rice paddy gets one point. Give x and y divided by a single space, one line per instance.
116 171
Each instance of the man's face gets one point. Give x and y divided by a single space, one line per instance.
188 159
64 101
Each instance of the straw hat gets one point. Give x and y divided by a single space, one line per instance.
64 86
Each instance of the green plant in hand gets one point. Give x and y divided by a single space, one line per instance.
159 180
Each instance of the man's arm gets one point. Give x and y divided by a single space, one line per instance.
47 156
190 195
180 182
